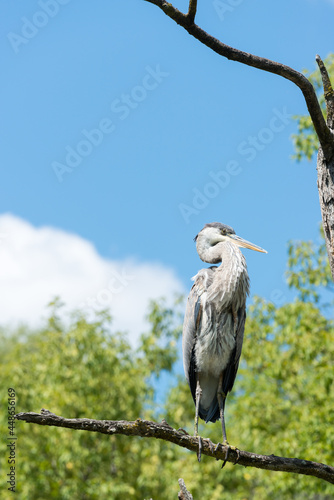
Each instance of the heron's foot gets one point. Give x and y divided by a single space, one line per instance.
225 443
238 454
234 448
229 447
199 451
212 448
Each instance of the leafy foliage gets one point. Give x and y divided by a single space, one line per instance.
305 141
308 269
84 370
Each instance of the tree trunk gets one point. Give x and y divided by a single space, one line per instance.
325 170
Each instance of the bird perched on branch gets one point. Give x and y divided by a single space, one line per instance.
214 322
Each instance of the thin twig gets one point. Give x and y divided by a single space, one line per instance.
192 10
146 428
325 135
328 91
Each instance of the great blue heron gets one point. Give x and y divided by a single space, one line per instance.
214 321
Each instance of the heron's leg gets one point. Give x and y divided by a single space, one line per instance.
221 396
198 398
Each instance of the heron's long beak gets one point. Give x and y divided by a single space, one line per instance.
246 244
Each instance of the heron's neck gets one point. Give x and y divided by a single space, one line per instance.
231 282
232 259
222 252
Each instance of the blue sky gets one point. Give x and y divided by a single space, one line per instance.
173 117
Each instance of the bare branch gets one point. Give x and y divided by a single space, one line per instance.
146 428
325 136
328 91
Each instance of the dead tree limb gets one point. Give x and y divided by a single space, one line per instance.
148 429
325 163
328 91
184 493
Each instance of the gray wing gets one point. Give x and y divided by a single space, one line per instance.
192 321
232 367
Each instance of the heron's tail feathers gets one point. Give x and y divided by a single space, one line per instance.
209 407
212 414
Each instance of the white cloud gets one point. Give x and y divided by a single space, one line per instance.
36 264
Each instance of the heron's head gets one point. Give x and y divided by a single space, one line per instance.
214 233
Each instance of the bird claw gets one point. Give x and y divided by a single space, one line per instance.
229 447
216 447
227 453
225 443
238 454
212 448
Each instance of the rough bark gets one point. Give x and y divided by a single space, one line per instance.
325 168
148 429
324 130
326 197
184 493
